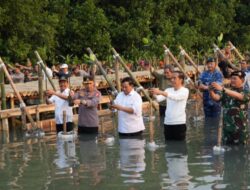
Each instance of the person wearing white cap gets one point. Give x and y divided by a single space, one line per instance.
64 71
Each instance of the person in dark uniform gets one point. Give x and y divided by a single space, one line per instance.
88 99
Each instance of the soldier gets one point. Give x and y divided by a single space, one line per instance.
88 99
235 104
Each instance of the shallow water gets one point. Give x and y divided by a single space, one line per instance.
126 164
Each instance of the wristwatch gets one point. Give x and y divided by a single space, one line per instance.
83 102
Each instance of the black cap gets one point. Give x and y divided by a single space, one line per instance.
87 79
210 59
63 78
240 74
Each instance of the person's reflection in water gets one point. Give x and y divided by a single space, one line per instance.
236 168
92 159
132 159
66 154
177 167
66 160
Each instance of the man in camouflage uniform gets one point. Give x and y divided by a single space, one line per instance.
235 105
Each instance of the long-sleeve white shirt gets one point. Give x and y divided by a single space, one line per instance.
176 105
130 123
60 106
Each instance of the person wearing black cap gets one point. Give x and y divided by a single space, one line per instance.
235 106
60 99
211 107
88 99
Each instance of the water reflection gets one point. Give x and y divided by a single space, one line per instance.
92 159
67 164
177 176
236 168
66 154
132 159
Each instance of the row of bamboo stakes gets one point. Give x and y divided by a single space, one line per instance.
118 60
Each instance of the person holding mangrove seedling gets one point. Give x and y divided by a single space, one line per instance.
175 115
235 105
211 107
60 99
88 99
129 106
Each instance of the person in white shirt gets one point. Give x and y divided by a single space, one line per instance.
129 106
60 99
175 115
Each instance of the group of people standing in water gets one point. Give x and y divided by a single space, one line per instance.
231 99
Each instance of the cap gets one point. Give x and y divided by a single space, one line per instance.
240 74
63 78
87 79
64 65
210 59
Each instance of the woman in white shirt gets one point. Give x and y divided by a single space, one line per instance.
175 115
129 106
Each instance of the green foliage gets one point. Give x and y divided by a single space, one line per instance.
136 29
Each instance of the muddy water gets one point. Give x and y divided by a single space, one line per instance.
126 163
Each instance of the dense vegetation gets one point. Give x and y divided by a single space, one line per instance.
136 28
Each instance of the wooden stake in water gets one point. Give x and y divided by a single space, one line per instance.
117 76
22 104
37 117
40 84
64 122
219 148
3 94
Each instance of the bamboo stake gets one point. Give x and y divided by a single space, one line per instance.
111 85
64 123
40 85
182 60
189 59
22 104
236 50
40 62
117 76
166 58
37 117
217 49
177 63
133 78
3 94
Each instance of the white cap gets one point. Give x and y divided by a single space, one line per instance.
64 66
